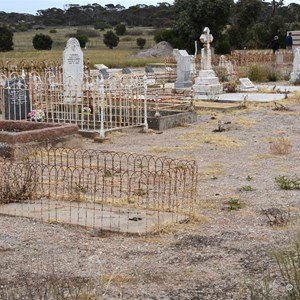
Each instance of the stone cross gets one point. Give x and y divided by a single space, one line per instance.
206 38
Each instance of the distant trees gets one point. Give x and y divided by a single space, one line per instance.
42 42
6 39
193 16
110 39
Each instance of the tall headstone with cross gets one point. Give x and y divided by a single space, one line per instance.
184 68
207 83
73 71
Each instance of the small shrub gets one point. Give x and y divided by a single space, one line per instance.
17 182
280 146
110 39
233 204
273 76
141 42
6 39
286 183
247 188
53 31
42 42
120 29
257 73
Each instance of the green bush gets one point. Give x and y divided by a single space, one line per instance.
110 39
53 31
42 42
141 42
120 29
6 39
102 25
168 35
82 39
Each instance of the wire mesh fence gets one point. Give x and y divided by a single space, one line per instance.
112 191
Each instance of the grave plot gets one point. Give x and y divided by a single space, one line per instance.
112 191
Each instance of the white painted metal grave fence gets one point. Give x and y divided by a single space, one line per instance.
100 106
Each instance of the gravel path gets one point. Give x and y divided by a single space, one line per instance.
212 258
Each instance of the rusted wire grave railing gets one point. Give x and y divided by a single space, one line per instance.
94 104
112 191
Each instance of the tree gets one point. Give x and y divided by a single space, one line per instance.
110 39
82 39
120 29
42 42
141 42
193 16
6 39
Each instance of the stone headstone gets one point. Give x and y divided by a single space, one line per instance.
184 68
246 83
279 57
104 73
16 99
126 71
295 75
207 83
149 69
73 71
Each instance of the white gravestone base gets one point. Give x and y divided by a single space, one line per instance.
207 83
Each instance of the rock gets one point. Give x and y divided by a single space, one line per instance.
162 49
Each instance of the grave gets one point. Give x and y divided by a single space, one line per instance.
170 118
104 73
207 83
184 68
73 71
16 99
15 135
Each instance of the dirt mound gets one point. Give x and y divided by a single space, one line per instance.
162 49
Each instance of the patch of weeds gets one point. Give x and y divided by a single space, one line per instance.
284 284
79 188
139 192
280 146
247 188
233 204
286 183
107 173
249 178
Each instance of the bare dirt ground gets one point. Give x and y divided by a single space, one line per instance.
213 258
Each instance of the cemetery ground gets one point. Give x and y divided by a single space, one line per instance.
246 156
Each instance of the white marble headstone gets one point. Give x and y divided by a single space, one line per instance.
184 67
73 70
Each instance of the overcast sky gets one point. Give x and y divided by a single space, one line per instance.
32 6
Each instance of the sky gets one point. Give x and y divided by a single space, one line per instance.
32 6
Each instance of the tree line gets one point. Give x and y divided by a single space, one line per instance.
242 24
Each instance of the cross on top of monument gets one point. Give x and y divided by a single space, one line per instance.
206 38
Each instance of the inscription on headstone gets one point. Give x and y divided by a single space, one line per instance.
16 99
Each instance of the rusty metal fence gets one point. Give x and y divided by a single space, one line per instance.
112 191
95 105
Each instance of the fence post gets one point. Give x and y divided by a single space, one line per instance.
100 83
145 103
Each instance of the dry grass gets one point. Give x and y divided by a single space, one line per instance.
280 146
244 122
